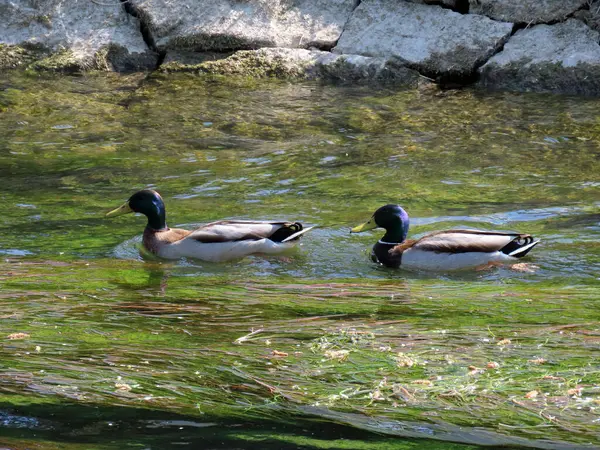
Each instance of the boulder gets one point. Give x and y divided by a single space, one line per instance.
548 58
526 11
293 63
73 35
218 25
431 39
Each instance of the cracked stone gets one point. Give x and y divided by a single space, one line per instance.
527 11
216 25
430 39
75 35
548 58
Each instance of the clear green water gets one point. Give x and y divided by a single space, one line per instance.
126 352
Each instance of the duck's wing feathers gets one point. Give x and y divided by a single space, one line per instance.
240 230
465 241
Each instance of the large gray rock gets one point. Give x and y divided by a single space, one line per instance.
205 25
79 34
526 11
430 39
548 58
293 63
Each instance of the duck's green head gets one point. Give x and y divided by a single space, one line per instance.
392 218
148 203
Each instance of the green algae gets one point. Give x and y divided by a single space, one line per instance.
62 61
242 63
37 59
15 56
546 77
281 65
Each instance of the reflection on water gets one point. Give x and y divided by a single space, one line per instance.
95 321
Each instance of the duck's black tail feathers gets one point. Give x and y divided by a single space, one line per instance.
520 246
289 232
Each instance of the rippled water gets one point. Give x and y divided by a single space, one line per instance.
116 338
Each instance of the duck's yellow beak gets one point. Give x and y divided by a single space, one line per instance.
123 209
370 225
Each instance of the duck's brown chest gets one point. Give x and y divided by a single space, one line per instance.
153 240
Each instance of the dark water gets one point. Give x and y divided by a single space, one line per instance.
335 351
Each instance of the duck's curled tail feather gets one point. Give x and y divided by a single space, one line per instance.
288 232
520 246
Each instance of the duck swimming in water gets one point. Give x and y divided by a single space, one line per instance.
441 250
218 241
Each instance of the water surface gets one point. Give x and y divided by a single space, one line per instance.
121 349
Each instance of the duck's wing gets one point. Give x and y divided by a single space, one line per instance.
242 230
466 241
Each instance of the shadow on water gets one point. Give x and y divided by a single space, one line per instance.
79 426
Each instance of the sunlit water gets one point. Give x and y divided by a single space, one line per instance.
107 328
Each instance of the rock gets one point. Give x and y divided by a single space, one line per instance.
431 39
526 11
74 35
548 58
208 25
456 5
591 16
294 63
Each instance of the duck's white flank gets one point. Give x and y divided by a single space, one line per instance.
234 230
466 238
221 251
427 260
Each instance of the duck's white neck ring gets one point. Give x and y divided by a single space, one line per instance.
389 243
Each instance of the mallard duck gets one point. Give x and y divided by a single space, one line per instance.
217 241
441 250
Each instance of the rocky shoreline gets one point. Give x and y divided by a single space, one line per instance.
516 45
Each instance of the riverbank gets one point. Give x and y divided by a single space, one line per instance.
550 46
